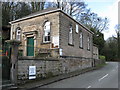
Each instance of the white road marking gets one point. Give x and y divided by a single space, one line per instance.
103 77
89 87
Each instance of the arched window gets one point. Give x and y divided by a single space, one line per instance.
46 36
18 33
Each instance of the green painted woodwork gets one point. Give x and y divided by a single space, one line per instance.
30 46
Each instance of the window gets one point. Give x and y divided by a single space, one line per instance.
46 36
71 35
88 43
18 33
76 28
81 40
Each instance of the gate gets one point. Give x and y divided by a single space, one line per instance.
6 66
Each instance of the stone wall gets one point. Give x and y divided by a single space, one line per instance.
95 52
74 50
53 66
34 27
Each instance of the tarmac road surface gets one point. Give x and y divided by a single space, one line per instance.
106 77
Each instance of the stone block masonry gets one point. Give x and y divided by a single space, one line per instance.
47 67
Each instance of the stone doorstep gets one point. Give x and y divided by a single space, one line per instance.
7 86
55 79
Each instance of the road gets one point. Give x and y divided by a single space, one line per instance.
106 77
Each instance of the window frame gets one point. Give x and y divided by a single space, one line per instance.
18 34
70 34
77 29
48 37
81 39
88 43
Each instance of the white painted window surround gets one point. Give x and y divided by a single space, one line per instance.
88 43
11 33
77 28
70 35
81 40
18 34
46 37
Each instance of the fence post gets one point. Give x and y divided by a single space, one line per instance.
14 60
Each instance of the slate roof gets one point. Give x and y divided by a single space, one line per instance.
42 11
46 11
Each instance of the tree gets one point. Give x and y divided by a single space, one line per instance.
97 25
37 6
7 14
91 20
76 8
22 9
98 39
110 49
73 8
117 29
14 10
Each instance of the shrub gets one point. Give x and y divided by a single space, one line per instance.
102 57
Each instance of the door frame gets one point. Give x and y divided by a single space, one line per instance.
26 35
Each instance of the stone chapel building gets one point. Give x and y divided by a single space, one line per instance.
55 30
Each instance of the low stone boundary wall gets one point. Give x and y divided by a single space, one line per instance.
50 67
98 61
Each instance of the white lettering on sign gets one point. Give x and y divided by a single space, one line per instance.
32 72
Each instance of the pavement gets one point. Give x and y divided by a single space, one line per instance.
39 83
5 84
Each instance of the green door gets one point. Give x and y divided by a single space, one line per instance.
30 46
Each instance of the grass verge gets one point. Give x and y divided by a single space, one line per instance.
101 65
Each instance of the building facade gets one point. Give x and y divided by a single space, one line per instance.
55 30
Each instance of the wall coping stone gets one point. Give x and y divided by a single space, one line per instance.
39 59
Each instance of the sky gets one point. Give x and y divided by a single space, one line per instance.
106 8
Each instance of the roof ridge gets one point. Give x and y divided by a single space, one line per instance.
48 10
40 11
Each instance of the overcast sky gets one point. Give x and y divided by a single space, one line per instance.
106 8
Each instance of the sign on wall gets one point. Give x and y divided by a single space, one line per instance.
55 41
32 72
60 51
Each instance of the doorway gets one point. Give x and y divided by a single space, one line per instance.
30 46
